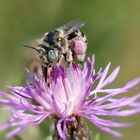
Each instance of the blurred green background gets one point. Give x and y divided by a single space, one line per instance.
112 29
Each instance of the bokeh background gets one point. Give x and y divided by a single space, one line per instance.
112 29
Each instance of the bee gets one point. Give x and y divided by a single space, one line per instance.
63 45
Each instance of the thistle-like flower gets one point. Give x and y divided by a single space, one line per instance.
70 96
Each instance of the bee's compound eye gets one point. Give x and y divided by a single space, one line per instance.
51 55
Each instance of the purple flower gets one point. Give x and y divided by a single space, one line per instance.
71 93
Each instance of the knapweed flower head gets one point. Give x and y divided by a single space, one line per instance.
71 93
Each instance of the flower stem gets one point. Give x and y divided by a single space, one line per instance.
75 131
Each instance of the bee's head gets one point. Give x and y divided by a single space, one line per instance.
48 55
50 46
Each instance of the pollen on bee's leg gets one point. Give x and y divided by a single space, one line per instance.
79 46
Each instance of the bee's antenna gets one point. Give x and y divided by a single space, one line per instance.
30 47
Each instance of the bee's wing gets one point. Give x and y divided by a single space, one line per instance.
70 27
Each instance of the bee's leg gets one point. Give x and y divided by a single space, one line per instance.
62 59
81 57
69 56
45 72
